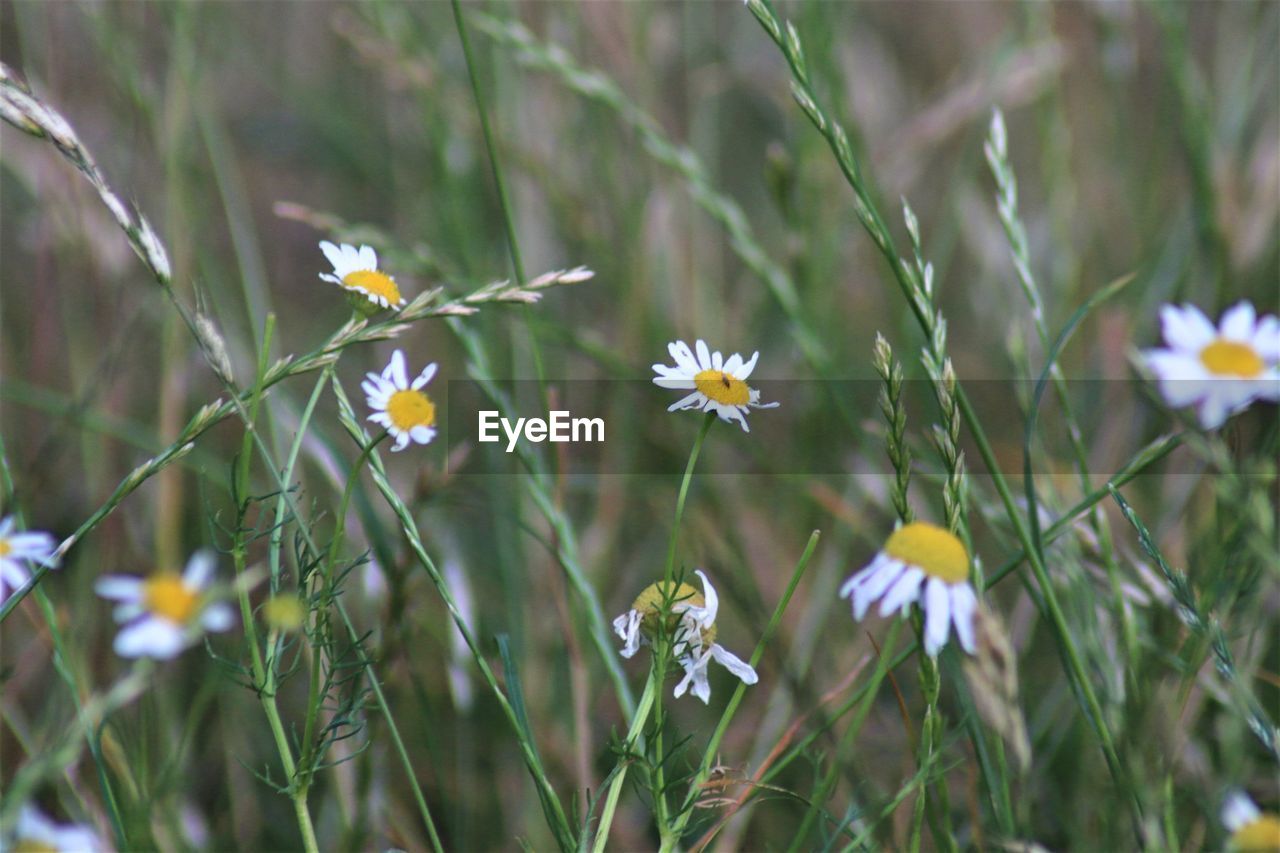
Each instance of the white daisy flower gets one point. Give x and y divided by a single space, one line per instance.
1222 370
36 832
356 271
401 407
1250 829
16 548
717 384
922 563
693 633
167 612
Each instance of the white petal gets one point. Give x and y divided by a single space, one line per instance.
422 434
695 674
199 569
689 402
1215 408
712 605
937 614
1237 322
1175 365
127 612
874 587
903 592
119 587
425 376
749 366
1266 339
704 354
733 366
395 371
332 253
1238 811
627 627
150 637
13 575
730 414
717 360
1186 328
402 441
684 356
731 662
217 617
963 603
368 258
678 383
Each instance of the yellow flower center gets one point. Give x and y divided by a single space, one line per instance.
166 595
1231 358
409 409
937 552
5 548
723 387
1258 836
374 284
649 603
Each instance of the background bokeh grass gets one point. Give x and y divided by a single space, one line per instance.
1146 139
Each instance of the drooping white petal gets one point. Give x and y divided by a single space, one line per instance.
1215 407
963 603
422 434
937 614
627 626
734 664
875 586
903 592
683 356
695 675
689 402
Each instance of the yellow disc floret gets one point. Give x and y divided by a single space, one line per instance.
5 548
1231 358
373 284
166 595
722 387
409 409
1258 835
649 604
935 551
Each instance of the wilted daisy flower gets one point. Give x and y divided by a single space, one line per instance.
35 832
406 412
692 629
17 548
166 612
1221 370
925 563
717 384
356 271
1251 829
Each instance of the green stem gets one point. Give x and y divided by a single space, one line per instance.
669 569
651 688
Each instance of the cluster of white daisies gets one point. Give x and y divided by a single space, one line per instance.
1220 370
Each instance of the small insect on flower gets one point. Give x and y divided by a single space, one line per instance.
36 832
1222 370
717 384
1251 830
356 271
692 629
15 549
167 612
401 407
922 563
